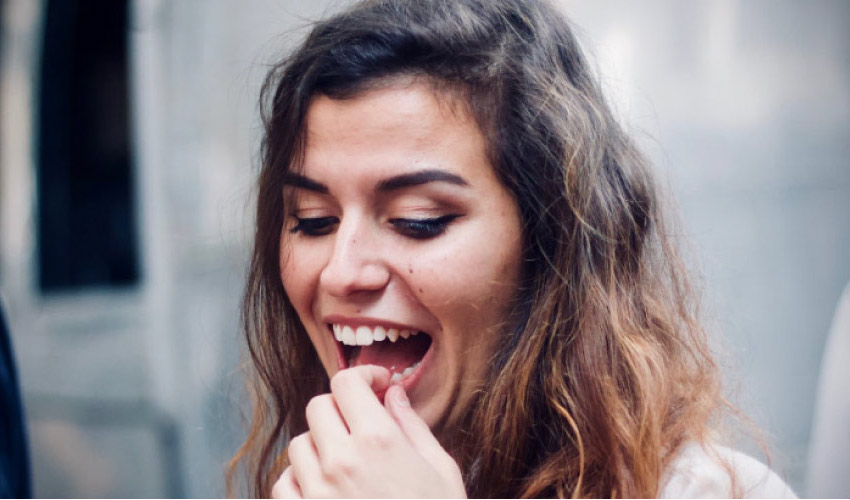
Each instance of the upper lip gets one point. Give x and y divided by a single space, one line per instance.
336 319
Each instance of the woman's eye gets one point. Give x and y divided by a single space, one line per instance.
314 226
422 229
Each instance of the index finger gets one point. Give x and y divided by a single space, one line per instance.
358 392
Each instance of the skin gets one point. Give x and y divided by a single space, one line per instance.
456 284
359 448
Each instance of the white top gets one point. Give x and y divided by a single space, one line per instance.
698 474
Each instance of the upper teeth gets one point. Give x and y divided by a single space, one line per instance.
364 335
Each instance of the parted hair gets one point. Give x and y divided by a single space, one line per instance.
603 370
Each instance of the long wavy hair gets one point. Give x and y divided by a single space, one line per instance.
604 371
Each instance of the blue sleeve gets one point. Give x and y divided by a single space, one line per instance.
14 456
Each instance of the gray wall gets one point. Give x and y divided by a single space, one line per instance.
744 107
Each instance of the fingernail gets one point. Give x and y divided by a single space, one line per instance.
401 397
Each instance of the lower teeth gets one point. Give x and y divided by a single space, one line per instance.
407 371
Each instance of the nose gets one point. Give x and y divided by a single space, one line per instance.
356 264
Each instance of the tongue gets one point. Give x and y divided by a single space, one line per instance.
394 356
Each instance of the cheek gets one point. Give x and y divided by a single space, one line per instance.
468 284
299 274
288 277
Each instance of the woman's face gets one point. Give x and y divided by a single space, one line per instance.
401 247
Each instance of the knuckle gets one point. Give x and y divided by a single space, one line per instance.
280 489
342 379
452 467
277 490
317 404
338 467
378 439
298 442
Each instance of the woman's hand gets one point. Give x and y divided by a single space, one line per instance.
357 447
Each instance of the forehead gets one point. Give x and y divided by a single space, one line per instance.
384 130
393 98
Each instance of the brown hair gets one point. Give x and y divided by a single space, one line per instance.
604 372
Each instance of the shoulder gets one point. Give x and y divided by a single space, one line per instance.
707 471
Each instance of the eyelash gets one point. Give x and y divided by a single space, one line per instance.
314 226
418 229
423 229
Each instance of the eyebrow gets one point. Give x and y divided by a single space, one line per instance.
418 178
391 184
300 181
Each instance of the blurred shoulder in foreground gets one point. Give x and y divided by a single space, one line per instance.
14 459
830 446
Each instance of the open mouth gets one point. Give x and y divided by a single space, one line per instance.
401 351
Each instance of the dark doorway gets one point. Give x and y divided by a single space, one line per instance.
87 235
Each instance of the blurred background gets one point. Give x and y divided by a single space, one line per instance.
128 139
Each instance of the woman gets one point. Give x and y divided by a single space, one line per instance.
461 283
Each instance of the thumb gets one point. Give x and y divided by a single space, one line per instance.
416 430
377 377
